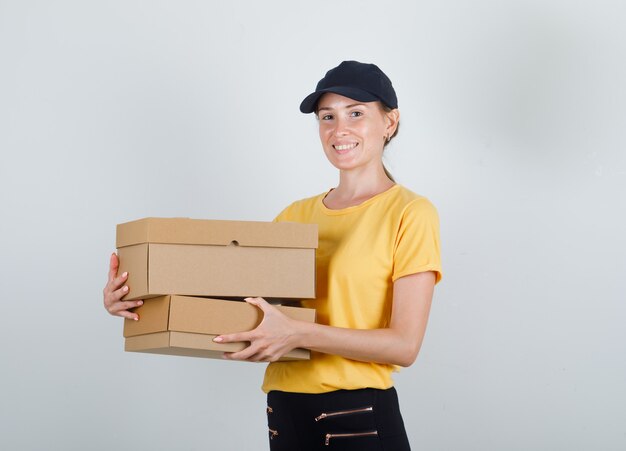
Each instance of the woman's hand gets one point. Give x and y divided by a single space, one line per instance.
115 290
272 339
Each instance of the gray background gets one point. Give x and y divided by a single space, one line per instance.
513 124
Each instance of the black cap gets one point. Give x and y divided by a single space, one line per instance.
358 81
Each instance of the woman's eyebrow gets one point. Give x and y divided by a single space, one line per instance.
352 105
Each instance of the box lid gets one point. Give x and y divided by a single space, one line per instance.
217 232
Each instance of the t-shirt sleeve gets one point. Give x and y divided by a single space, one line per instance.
280 217
285 215
417 246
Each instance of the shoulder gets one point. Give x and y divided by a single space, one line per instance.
302 207
409 202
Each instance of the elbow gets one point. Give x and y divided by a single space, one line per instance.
406 361
407 357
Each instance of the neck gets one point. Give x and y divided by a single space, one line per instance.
360 183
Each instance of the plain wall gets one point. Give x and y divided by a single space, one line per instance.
513 124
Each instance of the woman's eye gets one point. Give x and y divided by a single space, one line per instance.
356 114
327 117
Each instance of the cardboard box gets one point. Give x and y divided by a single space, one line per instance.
186 326
217 258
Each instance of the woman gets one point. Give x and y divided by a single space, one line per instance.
377 264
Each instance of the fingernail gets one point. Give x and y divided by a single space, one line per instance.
139 302
136 318
218 339
124 274
125 289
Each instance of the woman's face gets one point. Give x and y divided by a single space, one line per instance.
353 133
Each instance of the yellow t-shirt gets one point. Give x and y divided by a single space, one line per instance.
362 251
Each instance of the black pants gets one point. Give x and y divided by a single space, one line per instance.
363 420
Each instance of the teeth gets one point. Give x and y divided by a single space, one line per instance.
346 146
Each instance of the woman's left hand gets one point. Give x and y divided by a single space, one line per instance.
272 338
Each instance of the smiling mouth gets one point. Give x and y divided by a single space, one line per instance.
346 146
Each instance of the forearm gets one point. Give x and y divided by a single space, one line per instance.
387 345
398 344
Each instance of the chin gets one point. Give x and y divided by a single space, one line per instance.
342 165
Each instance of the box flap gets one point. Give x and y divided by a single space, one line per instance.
217 316
217 232
153 317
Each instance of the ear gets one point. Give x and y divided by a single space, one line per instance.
392 119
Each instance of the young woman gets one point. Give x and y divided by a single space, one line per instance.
377 264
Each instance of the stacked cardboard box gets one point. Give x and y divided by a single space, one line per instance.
174 264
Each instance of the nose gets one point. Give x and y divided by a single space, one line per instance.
341 126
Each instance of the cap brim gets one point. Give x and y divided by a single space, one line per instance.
309 103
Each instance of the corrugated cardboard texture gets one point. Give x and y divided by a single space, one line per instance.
154 316
181 325
193 345
134 260
249 269
202 315
217 232
222 317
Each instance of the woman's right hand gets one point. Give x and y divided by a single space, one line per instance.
115 290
